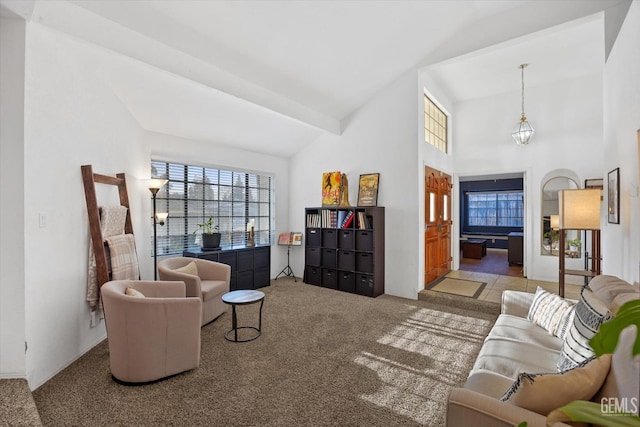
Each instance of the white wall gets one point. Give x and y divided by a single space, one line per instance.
621 242
73 117
567 116
379 137
12 261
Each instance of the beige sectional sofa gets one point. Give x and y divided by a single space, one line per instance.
517 345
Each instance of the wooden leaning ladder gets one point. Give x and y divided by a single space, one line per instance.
89 179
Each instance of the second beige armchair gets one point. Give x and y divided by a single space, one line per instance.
207 280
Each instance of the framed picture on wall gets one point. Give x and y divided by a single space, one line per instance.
368 189
613 199
594 183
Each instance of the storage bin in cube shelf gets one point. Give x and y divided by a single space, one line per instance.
364 240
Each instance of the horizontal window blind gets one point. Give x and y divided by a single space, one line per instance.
231 198
501 209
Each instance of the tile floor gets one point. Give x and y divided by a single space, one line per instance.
496 284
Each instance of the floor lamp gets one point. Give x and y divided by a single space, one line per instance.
579 210
154 186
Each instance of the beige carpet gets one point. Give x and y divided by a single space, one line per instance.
325 358
17 407
466 288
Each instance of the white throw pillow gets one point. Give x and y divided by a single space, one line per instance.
548 311
590 314
133 293
542 393
190 268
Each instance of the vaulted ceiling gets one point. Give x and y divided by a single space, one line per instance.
271 76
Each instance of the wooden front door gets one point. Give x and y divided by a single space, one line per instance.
437 218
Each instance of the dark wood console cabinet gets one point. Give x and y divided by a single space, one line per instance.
515 248
349 259
250 266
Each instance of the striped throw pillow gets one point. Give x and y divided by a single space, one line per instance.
590 313
565 322
548 310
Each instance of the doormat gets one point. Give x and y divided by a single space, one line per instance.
465 288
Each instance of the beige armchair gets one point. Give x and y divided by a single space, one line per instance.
153 331
208 281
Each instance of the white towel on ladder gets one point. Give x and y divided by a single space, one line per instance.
112 220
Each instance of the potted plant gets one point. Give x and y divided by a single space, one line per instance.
574 244
551 238
210 235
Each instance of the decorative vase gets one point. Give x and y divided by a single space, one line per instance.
210 240
251 241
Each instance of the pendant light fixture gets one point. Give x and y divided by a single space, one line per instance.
523 132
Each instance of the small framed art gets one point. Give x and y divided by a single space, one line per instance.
613 199
368 189
594 183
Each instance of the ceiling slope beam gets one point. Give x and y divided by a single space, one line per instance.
529 18
83 24
613 20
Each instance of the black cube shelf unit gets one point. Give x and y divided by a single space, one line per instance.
250 265
348 258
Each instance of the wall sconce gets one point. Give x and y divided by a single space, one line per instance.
154 186
161 217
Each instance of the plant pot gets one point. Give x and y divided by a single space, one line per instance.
574 248
210 240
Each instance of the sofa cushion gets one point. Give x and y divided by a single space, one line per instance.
488 383
213 288
542 393
547 310
590 313
519 329
607 288
620 300
190 268
515 345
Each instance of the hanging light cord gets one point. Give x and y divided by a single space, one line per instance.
522 75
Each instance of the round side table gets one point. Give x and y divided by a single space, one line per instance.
243 297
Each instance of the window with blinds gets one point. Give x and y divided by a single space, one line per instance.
231 198
435 125
500 209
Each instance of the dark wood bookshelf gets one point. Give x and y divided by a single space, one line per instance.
346 257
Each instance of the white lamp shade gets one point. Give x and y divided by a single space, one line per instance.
555 222
579 209
161 217
156 183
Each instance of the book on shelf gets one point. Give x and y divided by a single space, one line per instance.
329 218
348 219
364 223
313 220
